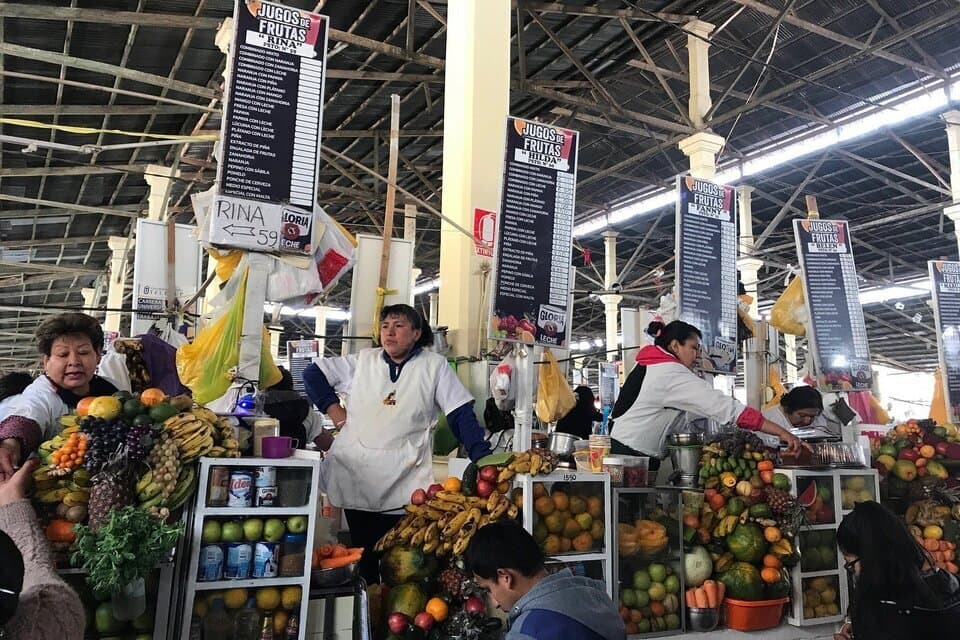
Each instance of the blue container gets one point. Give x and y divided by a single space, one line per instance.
210 566
239 558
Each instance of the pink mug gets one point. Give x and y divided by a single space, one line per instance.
278 446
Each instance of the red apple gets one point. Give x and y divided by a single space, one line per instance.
433 490
419 497
398 623
908 453
921 462
424 620
489 473
485 488
942 447
921 471
474 606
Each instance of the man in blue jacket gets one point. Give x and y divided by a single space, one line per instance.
506 561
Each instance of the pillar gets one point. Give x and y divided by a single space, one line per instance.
119 246
89 295
476 104
952 211
434 297
410 234
790 353
611 301
749 264
320 328
159 178
697 52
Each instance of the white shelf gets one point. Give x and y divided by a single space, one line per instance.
822 620
577 557
830 526
818 574
250 583
221 512
300 458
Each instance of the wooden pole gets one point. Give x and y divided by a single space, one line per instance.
388 214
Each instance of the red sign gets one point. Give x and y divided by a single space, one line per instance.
484 228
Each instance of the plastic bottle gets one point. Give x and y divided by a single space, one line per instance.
293 627
217 624
246 625
266 630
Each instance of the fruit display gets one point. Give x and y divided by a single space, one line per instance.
821 597
100 616
650 600
568 517
818 551
508 327
815 495
854 489
280 602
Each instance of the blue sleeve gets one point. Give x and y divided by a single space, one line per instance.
321 393
463 423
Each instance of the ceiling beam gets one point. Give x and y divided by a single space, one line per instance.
38 267
59 13
383 76
129 211
386 49
94 109
597 12
894 172
46 242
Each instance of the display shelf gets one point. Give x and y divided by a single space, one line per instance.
300 459
820 574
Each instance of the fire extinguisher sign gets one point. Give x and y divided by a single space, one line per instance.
484 229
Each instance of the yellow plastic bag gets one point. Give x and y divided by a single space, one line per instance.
555 398
775 389
879 413
205 365
789 314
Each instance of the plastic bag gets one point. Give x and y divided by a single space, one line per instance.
555 398
789 313
336 252
504 393
938 405
113 367
207 364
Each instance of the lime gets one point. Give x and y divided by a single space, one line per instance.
162 411
133 407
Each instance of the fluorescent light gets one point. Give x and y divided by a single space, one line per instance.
899 291
333 315
598 342
907 103
424 287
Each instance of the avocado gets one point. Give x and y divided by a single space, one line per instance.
469 480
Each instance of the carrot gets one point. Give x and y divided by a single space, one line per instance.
326 550
721 590
339 561
931 545
691 598
710 587
355 550
701 598
338 551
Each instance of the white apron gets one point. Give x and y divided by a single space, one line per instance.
385 451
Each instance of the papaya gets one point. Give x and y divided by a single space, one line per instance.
408 599
406 564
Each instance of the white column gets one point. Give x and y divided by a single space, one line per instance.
611 301
952 211
159 178
434 308
119 246
790 349
697 52
410 233
749 264
88 294
320 328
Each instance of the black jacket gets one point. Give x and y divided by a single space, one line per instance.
889 621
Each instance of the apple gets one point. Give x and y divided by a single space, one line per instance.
212 531
232 532
398 623
418 497
424 620
474 606
433 490
942 447
484 488
297 524
252 529
489 473
273 530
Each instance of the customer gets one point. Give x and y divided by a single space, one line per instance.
893 594
385 449
70 346
507 561
667 387
35 603
798 408
579 421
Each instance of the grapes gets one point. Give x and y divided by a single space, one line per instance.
103 440
138 443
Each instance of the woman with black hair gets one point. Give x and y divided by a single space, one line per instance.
798 408
579 420
385 449
893 594
664 387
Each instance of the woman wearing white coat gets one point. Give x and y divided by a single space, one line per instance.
385 449
665 386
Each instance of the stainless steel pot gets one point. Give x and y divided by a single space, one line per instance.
440 340
685 439
686 459
562 444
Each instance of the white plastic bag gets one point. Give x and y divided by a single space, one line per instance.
113 367
501 388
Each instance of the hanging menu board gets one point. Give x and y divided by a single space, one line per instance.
267 179
707 268
531 286
839 335
300 353
945 285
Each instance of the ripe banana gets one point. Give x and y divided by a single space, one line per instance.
206 415
726 526
76 498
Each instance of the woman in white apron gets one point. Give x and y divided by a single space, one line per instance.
385 448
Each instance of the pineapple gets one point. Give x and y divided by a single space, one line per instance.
109 490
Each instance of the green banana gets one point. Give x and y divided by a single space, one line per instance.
144 481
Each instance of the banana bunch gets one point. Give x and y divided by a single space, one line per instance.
194 435
445 523
726 526
54 489
533 461
229 445
150 492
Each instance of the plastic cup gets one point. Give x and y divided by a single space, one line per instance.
636 471
599 448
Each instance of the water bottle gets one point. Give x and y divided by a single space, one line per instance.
217 624
246 626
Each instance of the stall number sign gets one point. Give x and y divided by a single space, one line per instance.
262 226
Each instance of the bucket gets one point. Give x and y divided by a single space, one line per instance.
744 615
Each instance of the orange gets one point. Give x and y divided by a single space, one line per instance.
657 609
571 529
438 609
772 561
84 405
543 505
561 501
770 575
583 542
772 534
595 506
452 485
927 451
539 489
552 544
152 397
280 618
635 615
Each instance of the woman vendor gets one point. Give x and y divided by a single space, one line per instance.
70 345
384 451
666 387
798 408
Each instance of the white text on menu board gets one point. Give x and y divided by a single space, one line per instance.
708 200
950 278
543 146
825 237
283 29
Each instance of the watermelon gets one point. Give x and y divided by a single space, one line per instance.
808 496
743 582
746 543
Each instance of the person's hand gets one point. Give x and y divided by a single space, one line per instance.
337 414
9 457
793 445
324 441
16 486
845 633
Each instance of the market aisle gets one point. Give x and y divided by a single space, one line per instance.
783 632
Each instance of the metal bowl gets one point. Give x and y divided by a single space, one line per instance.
333 577
685 439
562 444
703 619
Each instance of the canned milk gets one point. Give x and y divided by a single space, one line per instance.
265 496
265 477
266 557
210 567
239 555
241 489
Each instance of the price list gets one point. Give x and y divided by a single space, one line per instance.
945 286
839 334
707 268
534 238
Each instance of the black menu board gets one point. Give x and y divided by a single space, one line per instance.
707 268
531 286
267 178
300 354
945 286
839 335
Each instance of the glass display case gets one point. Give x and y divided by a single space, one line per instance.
648 560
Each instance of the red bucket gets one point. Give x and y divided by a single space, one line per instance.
746 615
